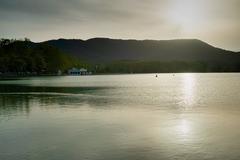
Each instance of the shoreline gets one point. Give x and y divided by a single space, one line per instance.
9 77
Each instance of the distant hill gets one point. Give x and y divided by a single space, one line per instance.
103 55
151 55
106 50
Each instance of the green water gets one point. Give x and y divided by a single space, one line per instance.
121 117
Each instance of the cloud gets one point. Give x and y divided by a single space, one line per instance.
141 19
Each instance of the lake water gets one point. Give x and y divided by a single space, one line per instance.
121 117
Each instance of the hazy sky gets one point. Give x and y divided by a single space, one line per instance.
214 21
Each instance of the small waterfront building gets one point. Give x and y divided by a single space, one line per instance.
77 72
59 73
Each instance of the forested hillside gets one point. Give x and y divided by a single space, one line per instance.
26 57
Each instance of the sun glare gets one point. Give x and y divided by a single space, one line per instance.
184 127
187 14
188 89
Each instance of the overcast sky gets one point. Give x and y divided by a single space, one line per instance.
214 21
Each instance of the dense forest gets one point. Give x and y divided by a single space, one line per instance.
21 57
165 67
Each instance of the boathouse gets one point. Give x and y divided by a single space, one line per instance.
78 72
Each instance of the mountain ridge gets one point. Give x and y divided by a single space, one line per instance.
136 40
106 50
105 55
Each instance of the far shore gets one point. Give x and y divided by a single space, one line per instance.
15 76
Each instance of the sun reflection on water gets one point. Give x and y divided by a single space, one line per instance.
183 131
188 86
184 127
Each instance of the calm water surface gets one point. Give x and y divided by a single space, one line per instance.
121 117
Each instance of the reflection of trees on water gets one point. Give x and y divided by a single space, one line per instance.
48 89
16 100
12 105
76 101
